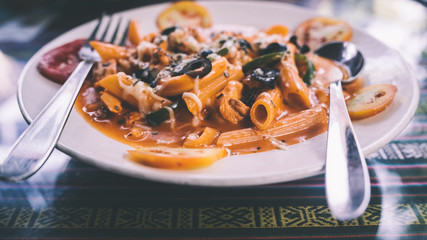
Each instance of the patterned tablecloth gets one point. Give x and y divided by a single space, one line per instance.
69 199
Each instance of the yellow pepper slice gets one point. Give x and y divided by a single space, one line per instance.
177 158
277 29
184 14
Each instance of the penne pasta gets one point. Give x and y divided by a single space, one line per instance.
112 102
177 85
134 32
313 119
111 83
266 108
134 92
172 86
208 89
219 66
294 90
206 138
108 51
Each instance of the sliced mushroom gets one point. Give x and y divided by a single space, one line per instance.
233 110
230 106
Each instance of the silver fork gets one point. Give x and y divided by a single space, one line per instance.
37 142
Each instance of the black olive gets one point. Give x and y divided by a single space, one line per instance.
266 76
304 49
274 47
169 30
178 69
205 52
250 96
293 40
198 68
245 45
144 75
195 69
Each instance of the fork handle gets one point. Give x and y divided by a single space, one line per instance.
35 145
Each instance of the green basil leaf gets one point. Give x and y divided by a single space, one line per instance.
222 52
303 62
262 61
158 117
309 73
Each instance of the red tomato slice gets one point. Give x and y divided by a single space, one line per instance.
177 158
371 100
58 64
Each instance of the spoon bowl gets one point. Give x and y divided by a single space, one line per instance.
346 174
346 55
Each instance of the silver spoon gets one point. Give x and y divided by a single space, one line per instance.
347 178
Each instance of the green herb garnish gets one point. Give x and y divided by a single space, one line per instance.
222 52
305 67
158 117
262 61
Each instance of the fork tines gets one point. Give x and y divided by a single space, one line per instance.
111 33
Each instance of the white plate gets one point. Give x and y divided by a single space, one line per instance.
383 65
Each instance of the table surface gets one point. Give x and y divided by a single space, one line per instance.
68 199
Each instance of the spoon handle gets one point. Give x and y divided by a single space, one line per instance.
37 142
347 178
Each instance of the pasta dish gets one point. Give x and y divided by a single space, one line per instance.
190 94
